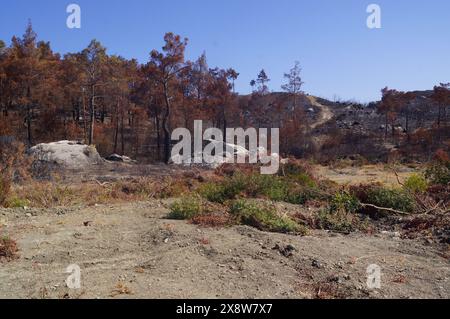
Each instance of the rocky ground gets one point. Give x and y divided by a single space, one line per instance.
132 251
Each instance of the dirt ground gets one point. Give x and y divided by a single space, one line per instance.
366 174
132 251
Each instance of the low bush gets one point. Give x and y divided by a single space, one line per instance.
393 198
268 186
295 189
186 208
263 218
339 221
16 202
416 184
228 189
438 173
341 215
344 202
300 195
299 172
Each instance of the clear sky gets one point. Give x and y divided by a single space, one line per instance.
339 55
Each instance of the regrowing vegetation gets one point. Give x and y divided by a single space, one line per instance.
246 197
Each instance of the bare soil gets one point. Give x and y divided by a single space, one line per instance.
132 251
366 174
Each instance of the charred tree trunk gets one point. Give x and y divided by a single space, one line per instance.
28 118
92 120
166 125
116 127
158 135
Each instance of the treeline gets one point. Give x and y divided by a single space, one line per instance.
126 107
117 104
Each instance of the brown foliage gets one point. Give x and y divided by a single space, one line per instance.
215 220
8 249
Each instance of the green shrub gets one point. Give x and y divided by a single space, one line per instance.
438 173
299 173
272 187
17 202
300 195
341 214
213 192
338 221
416 184
186 208
269 186
397 199
252 186
228 189
345 202
263 218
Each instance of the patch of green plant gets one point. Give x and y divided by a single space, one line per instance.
186 208
303 179
338 221
416 184
341 221
343 201
269 186
213 192
438 173
300 195
393 198
298 174
263 218
16 202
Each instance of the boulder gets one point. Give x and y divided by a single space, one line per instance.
69 154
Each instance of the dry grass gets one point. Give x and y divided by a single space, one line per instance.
8 249
215 220
366 174
121 289
44 194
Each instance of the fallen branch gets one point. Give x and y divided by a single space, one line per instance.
385 209
398 177
434 208
101 184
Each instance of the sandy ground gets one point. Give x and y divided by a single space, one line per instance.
132 251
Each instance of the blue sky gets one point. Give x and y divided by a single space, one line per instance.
339 55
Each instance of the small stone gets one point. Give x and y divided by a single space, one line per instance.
317 264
